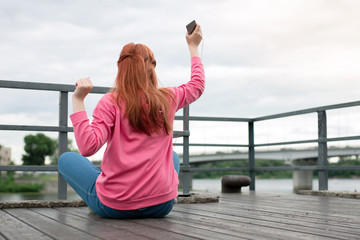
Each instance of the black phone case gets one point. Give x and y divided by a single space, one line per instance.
191 27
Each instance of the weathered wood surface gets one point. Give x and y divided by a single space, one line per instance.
247 215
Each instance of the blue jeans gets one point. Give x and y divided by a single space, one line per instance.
81 175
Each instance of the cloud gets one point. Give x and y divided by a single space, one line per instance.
261 57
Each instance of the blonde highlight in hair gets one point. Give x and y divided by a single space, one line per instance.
146 106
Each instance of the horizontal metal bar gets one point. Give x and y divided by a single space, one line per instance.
63 129
343 138
275 143
53 168
36 128
332 168
274 116
310 141
219 119
215 119
217 145
278 168
184 133
314 168
46 86
212 145
285 168
71 88
30 168
286 143
306 111
183 169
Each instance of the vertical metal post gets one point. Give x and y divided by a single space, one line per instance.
322 151
251 156
186 174
63 140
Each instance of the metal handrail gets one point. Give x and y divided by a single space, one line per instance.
62 127
63 130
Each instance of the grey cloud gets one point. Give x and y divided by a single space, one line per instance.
261 57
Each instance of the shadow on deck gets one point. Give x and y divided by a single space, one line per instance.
248 215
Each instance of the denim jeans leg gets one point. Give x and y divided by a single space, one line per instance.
81 175
176 161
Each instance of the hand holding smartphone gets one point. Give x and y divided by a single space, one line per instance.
191 27
193 40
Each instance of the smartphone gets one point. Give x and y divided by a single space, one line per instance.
191 27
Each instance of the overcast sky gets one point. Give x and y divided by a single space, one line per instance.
261 57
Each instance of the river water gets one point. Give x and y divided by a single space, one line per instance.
212 185
279 185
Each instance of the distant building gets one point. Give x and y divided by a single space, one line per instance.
5 156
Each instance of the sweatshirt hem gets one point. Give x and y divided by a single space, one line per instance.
139 203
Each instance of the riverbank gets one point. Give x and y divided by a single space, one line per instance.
49 181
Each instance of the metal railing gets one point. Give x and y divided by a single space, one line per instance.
322 164
63 130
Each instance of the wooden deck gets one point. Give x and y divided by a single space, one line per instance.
237 216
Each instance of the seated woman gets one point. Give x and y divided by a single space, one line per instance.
139 170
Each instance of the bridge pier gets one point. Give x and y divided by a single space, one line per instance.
303 179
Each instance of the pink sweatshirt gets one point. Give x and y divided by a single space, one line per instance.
137 169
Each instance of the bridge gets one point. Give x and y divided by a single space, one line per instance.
285 155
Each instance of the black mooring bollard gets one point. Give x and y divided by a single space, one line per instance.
233 183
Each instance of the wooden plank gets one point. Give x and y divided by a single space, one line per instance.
310 226
324 210
263 228
304 217
293 198
220 228
230 227
193 231
301 210
329 206
288 226
49 226
119 226
12 228
237 216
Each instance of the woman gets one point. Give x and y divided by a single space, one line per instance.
139 170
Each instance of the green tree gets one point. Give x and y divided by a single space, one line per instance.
37 147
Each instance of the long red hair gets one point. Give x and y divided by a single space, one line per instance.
146 106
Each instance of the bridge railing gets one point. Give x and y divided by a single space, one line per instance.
63 129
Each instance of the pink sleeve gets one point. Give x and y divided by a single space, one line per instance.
192 90
91 137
